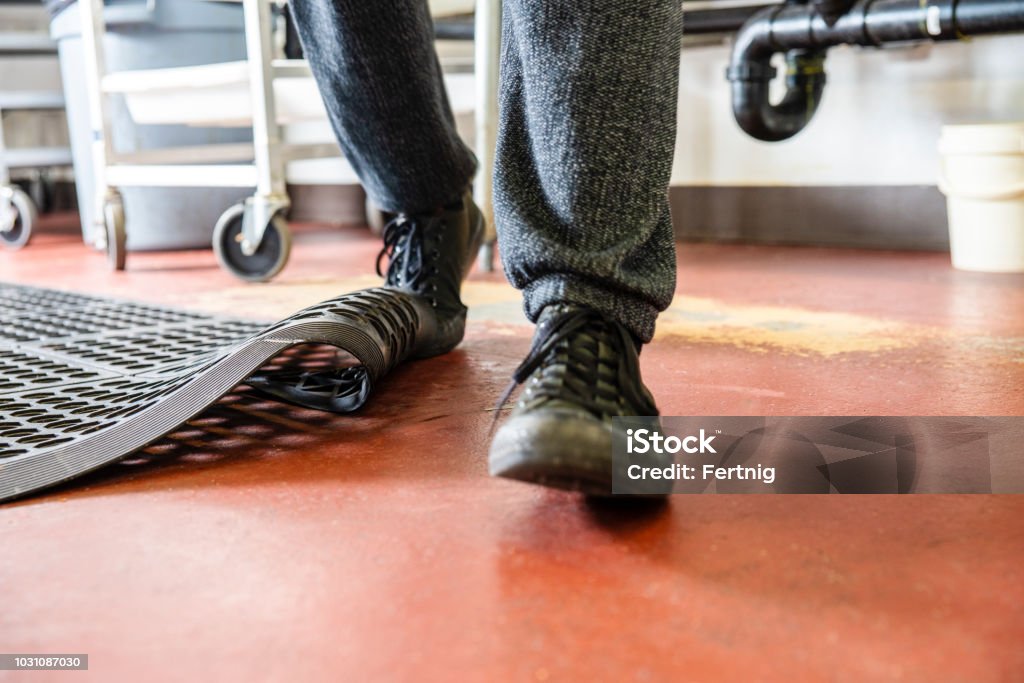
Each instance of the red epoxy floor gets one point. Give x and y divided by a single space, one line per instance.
265 542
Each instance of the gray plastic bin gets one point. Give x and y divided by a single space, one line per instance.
152 34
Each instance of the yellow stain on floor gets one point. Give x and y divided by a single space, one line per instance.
756 328
496 301
783 328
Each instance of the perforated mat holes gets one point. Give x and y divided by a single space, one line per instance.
20 371
43 419
33 325
307 358
16 298
30 326
387 311
149 351
20 298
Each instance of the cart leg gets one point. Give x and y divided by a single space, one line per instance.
5 171
114 230
93 32
271 198
487 49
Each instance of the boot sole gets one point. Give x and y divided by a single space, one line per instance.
559 451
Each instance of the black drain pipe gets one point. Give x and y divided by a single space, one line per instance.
801 33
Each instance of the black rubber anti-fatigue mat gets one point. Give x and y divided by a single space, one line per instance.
85 380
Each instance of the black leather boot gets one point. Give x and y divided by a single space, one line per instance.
429 256
582 371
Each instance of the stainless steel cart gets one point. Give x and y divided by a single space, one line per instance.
252 239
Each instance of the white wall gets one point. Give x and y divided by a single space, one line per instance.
878 123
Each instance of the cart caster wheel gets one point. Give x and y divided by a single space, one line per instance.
117 237
17 219
269 258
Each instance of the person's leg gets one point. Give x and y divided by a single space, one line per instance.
378 73
377 70
587 134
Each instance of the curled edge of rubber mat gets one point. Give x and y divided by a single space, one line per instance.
378 326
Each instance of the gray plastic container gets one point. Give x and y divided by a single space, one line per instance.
152 34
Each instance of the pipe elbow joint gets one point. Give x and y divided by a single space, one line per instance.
750 73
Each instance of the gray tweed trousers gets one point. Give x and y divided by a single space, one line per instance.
587 131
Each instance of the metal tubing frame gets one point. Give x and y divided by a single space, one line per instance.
487 56
183 175
5 170
271 192
7 215
93 33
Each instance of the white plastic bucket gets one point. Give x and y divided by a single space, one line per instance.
983 179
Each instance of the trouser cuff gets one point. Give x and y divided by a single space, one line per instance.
636 314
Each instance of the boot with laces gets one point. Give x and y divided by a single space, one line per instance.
428 257
418 313
582 371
